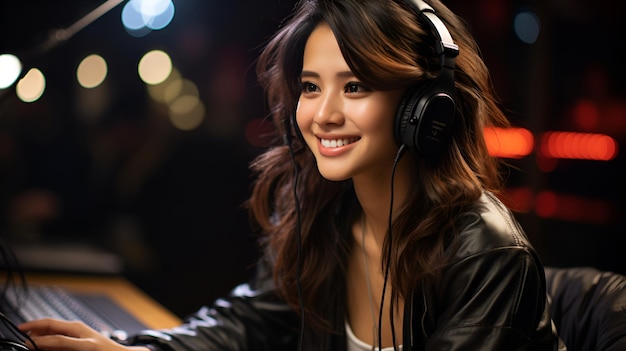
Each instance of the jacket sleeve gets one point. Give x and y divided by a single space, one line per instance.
493 300
251 318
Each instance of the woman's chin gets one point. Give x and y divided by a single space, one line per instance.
334 175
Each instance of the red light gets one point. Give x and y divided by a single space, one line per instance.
573 208
259 132
508 142
584 146
546 204
519 199
586 114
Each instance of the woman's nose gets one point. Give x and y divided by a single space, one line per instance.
330 110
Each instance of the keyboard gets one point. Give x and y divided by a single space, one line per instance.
98 311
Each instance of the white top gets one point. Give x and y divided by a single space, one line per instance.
354 344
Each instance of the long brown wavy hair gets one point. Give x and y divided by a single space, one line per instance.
386 46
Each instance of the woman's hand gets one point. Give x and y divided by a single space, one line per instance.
56 335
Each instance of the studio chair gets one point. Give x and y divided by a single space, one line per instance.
588 308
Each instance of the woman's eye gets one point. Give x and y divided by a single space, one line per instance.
353 88
308 87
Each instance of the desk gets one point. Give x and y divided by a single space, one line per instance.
135 301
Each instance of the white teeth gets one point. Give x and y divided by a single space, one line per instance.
337 142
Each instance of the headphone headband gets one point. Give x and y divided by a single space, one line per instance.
426 113
444 45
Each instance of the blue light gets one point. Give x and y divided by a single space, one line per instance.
139 17
527 27
161 20
132 19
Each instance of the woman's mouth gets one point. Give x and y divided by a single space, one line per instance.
333 143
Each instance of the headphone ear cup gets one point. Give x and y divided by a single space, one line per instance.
436 123
403 129
425 117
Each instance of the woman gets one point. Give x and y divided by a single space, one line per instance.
382 226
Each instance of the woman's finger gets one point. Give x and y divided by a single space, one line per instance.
58 335
66 343
50 326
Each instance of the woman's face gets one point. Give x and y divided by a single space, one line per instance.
347 126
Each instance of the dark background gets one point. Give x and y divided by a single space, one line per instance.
169 203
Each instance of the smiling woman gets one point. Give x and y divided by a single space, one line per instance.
347 125
380 222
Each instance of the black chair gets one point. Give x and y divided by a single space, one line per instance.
588 308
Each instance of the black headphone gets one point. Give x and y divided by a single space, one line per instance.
426 111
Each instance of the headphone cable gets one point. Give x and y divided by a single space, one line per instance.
388 261
399 154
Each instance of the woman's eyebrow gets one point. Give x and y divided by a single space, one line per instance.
309 74
342 74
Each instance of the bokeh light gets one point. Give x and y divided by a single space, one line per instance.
10 69
139 17
260 132
154 67
91 71
161 20
187 112
159 92
586 114
527 27
583 146
509 142
31 87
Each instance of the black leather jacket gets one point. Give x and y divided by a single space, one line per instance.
492 296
